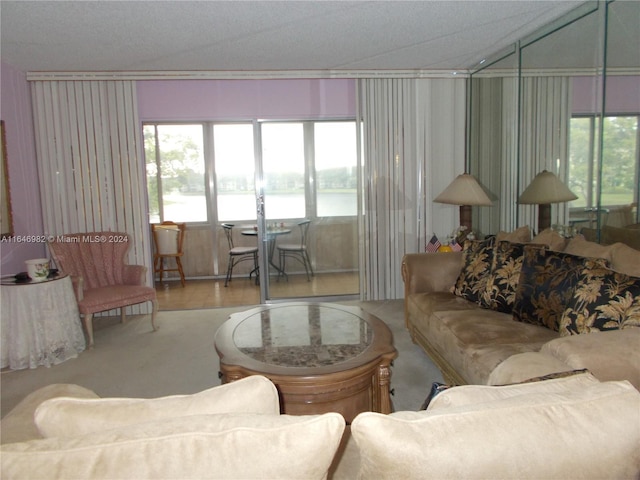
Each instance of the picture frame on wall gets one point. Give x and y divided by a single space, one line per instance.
6 219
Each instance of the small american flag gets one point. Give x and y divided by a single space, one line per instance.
433 245
455 246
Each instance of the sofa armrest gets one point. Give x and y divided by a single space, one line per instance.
430 272
134 274
18 425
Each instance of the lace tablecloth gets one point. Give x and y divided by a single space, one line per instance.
40 324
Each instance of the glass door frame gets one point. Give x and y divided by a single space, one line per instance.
266 244
261 221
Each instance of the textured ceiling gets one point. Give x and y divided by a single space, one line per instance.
264 35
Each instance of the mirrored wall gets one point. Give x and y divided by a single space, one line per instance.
565 99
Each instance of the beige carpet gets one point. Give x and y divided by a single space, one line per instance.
129 360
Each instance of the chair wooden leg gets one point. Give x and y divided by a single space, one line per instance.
123 315
154 310
159 268
179 264
88 326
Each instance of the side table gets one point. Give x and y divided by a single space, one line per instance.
40 323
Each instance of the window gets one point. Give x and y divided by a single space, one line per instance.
336 168
283 163
310 170
234 167
175 173
620 156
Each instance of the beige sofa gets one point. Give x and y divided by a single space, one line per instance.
231 431
576 427
477 342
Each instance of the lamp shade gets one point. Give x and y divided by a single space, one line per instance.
546 188
464 190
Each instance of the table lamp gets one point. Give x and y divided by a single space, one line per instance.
544 190
466 192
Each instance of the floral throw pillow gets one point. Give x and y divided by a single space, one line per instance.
603 300
502 282
547 283
472 281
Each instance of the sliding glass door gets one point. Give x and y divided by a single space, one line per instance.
309 189
281 184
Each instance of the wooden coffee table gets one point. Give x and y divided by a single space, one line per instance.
322 357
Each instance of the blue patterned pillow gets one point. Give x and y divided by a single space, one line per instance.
547 283
502 282
603 300
472 281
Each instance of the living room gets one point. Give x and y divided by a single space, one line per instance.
412 223
421 125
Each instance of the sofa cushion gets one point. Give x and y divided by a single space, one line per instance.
422 305
502 282
519 235
551 239
487 439
602 300
610 355
198 446
625 259
477 258
474 394
578 245
475 341
525 366
69 417
546 285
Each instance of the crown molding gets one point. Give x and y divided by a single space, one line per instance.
243 75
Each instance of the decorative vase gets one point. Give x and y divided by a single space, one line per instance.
38 269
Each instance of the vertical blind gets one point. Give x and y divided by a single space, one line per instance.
493 149
413 143
519 127
544 139
412 147
90 167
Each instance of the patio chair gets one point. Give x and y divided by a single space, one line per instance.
239 254
297 251
102 280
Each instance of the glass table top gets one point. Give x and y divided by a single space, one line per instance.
310 335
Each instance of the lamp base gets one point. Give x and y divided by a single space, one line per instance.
465 216
544 216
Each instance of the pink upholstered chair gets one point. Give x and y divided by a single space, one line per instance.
101 279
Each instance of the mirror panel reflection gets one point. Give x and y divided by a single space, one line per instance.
559 77
619 181
541 108
493 137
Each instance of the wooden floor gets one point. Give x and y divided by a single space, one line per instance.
242 291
